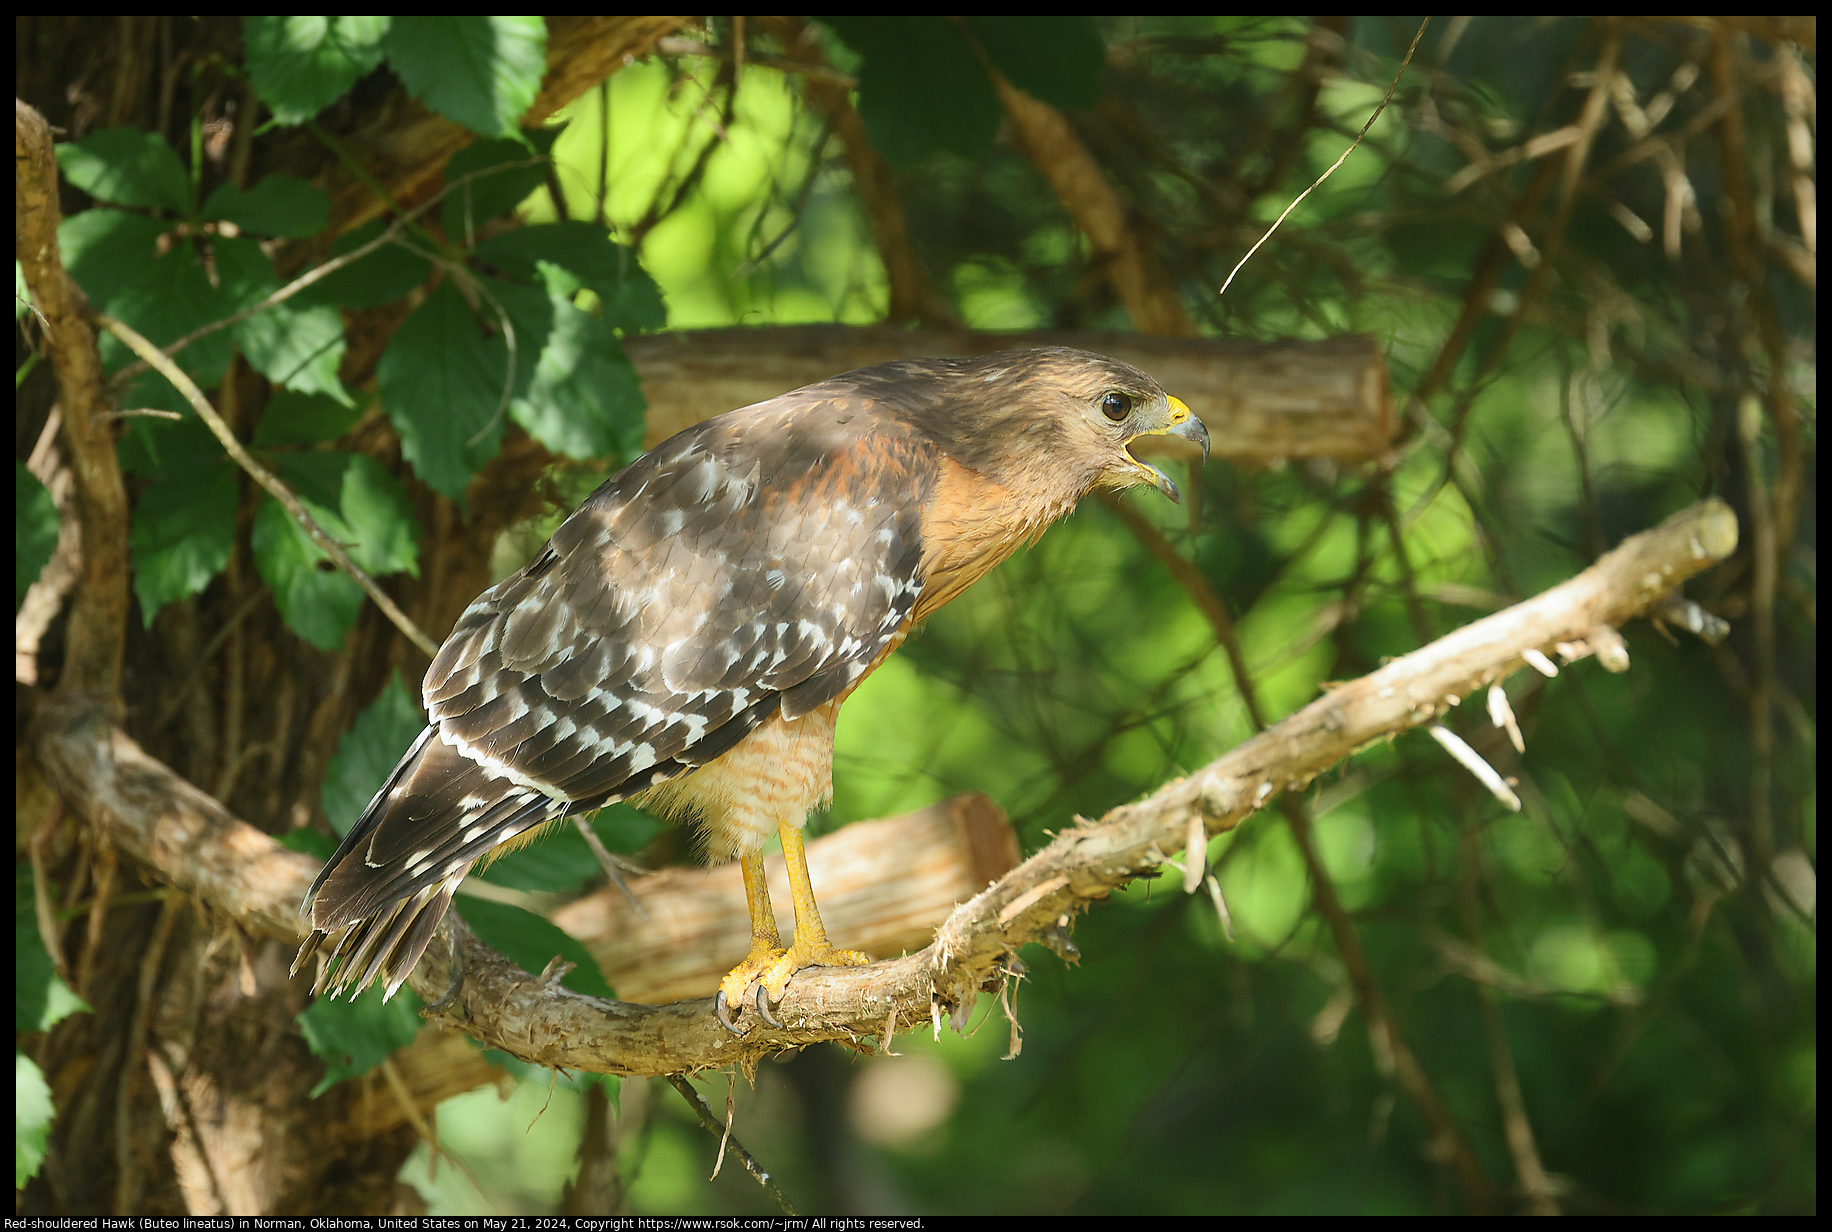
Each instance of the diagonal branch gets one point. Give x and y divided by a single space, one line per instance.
140 346
192 841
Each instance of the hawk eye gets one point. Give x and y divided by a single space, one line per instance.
1116 406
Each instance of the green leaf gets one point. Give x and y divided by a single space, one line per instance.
368 753
42 998
501 177
153 446
301 65
358 503
585 400
308 841
482 72
356 1035
531 942
562 861
278 205
1057 60
127 167
625 828
303 419
382 277
32 1120
35 530
921 88
297 346
184 526
441 380
105 250
167 298
244 274
631 299
317 600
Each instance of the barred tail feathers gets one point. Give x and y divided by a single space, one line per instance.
375 906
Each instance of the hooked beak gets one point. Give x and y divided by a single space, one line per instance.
1184 426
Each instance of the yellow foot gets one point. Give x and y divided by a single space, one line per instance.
770 968
765 954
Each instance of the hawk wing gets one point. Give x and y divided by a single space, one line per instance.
757 562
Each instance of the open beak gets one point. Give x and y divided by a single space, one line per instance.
1184 426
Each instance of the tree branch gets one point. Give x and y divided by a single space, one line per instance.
1264 402
1051 143
194 843
94 644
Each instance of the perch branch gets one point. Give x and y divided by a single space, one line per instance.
193 842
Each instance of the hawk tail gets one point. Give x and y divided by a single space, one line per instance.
374 908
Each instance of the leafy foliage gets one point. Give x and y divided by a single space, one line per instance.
356 1034
42 999
445 380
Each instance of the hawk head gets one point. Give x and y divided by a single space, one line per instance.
1051 419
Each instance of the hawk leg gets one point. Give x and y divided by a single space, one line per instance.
768 964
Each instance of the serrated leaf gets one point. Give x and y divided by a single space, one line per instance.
318 601
354 1036
125 166
35 528
297 346
32 1120
244 273
501 174
921 88
482 72
167 298
1057 60
291 418
301 65
531 942
585 400
358 503
277 205
105 250
441 381
368 753
382 277
631 299
183 529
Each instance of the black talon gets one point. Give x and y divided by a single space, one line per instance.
723 1010
763 1007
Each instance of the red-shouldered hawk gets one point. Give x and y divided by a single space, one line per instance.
687 636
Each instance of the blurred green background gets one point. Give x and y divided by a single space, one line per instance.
1643 932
